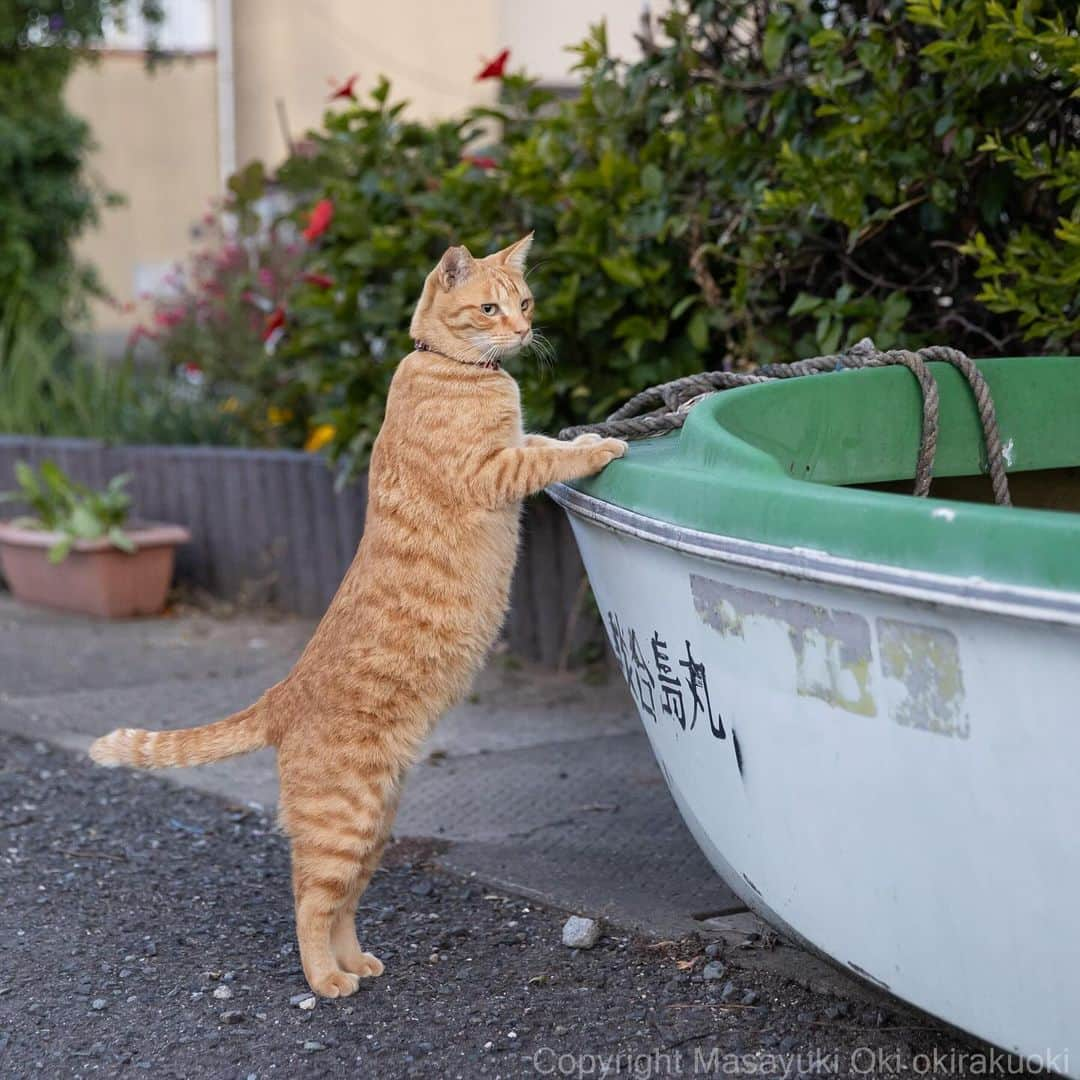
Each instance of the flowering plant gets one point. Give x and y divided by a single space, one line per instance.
219 323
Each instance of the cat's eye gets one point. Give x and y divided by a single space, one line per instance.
525 304
489 309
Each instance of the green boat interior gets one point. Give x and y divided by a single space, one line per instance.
865 432
1039 489
826 462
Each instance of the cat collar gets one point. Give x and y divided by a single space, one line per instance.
491 365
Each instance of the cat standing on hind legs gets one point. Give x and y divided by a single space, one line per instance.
417 611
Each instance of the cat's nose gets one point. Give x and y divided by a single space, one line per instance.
525 335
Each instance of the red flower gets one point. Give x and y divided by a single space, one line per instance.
275 321
495 69
167 319
322 213
480 162
323 281
345 90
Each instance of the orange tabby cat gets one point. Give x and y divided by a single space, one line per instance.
417 611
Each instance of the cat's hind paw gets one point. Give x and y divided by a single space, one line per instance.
335 984
363 964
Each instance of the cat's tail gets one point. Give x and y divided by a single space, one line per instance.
237 734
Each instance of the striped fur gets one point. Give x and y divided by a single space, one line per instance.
416 613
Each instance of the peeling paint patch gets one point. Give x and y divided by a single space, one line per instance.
926 661
1007 453
738 751
944 513
831 647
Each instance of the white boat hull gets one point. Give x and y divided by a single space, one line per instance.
891 780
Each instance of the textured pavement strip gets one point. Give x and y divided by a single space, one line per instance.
538 782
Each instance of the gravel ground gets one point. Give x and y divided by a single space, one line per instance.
144 927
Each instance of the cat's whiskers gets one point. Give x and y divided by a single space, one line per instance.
542 349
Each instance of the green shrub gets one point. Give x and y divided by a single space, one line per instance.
216 328
46 199
764 182
48 388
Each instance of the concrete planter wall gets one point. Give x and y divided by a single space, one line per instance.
268 527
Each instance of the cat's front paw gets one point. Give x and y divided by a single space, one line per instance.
604 452
586 438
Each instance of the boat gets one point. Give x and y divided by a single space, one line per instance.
867 705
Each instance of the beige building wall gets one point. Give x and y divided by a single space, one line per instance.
157 146
289 51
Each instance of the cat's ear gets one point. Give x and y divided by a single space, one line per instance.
515 255
455 267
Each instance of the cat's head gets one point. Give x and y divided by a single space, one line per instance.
476 310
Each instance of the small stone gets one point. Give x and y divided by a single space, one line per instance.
308 1004
728 991
423 887
313 1047
579 933
713 970
297 998
749 998
98 1004
232 1017
223 993
561 1029
713 950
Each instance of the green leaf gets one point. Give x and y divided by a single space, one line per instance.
121 540
60 550
804 303
622 270
774 44
684 305
85 524
27 479
652 180
698 331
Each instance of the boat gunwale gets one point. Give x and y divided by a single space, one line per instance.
811 564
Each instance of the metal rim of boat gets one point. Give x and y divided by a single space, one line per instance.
971 593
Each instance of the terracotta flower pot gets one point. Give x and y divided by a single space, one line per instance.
96 578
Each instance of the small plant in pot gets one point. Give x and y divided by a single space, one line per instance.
76 551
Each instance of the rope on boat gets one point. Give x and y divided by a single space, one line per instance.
664 408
